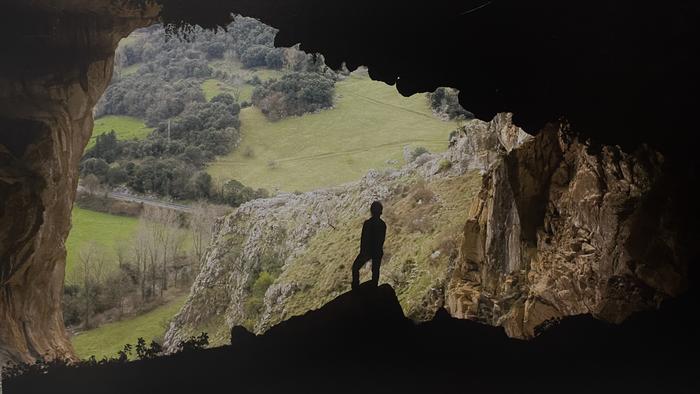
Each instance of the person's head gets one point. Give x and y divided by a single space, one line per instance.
376 209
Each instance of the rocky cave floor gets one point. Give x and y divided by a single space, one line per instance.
361 342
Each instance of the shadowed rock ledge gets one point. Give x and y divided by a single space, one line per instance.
361 342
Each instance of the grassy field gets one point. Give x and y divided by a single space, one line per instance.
126 127
241 89
111 338
102 229
368 128
213 87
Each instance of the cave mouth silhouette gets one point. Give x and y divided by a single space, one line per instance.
673 77
362 343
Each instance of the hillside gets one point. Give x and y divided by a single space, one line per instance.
503 228
279 257
368 128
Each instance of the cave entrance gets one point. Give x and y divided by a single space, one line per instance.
189 130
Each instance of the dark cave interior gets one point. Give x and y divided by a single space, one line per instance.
621 73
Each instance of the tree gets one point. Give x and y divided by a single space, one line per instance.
140 251
294 94
199 186
91 184
94 166
90 271
106 147
165 241
201 225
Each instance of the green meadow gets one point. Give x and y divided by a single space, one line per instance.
110 338
126 128
102 230
367 129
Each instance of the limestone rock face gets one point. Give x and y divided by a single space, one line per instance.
504 228
562 228
45 123
308 241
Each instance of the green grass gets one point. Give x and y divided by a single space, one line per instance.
102 229
111 338
369 125
240 89
213 87
126 127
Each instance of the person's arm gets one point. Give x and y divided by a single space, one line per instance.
363 237
382 237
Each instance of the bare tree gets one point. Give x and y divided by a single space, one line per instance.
91 183
139 249
201 226
90 272
121 249
164 239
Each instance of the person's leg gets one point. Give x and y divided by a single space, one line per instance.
376 263
360 260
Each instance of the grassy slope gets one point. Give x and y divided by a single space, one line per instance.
126 127
415 231
111 338
103 229
370 124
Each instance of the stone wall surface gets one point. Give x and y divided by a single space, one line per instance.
45 122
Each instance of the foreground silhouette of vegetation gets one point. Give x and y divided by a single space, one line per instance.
361 342
138 351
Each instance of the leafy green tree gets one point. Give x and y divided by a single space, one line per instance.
97 167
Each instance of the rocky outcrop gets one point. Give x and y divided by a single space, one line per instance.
280 257
503 228
46 98
564 228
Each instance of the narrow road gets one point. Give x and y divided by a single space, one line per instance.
152 202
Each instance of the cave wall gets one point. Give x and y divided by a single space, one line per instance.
562 227
602 64
60 63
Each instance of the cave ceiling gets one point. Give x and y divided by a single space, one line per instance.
621 72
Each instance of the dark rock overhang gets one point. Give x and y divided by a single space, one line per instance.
620 72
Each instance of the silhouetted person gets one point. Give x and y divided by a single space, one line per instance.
371 245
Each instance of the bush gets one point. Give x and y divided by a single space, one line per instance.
234 193
94 166
255 56
445 101
294 94
418 152
194 343
444 165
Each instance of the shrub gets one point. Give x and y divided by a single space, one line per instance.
444 165
445 101
194 343
418 152
234 193
294 94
